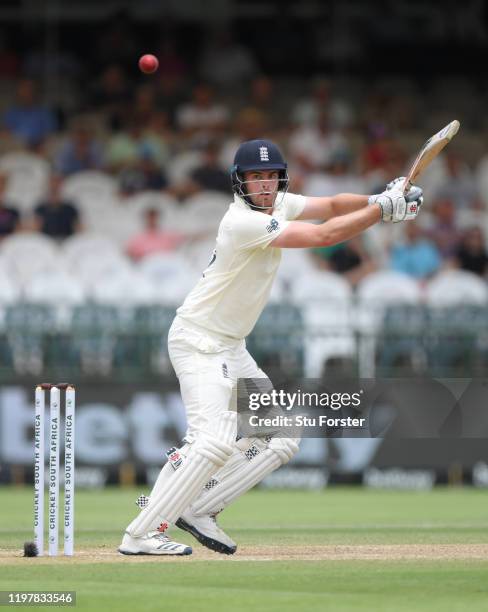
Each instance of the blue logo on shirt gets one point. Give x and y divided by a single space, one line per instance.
272 226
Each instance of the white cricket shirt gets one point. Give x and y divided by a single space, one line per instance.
236 284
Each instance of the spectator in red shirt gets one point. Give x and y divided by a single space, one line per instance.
153 238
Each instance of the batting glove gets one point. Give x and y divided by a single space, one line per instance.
393 206
414 193
396 183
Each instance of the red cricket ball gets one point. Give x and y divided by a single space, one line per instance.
148 63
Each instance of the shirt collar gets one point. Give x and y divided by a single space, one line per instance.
238 201
241 203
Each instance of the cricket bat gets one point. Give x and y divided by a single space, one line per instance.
431 149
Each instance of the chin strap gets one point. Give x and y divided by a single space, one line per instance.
260 208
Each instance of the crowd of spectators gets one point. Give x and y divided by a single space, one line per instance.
173 133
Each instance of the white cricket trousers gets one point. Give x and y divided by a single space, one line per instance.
208 367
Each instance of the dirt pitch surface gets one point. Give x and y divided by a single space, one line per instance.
387 552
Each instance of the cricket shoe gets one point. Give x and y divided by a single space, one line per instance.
207 532
153 543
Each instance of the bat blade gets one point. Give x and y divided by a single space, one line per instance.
430 150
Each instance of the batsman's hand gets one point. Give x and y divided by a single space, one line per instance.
413 195
396 183
394 206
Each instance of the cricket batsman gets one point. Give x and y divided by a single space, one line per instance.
207 345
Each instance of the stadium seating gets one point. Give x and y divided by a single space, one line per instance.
400 345
168 207
9 290
455 340
89 187
182 165
294 264
28 176
61 290
458 316
92 258
378 295
28 328
170 274
80 245
124 289
198 253
325 301
453 287
94 332
27 254
203 212
278 341
152 325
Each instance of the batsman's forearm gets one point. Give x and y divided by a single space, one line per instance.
345 203
347 226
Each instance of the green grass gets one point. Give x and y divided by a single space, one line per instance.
336 516
281 585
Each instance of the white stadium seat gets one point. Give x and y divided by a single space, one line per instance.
149 199
180 166
380 289
28 177
388 287
321 285
467 218
93 257
128 288
9 294
14 243
199 253
83 244
167 206
295 263
27 254
90 189
58 289
161 267
375 292
325 299
115 222
9 289
278 293
93 269
173 292
107 221
55 288
171 275
453 287
203 212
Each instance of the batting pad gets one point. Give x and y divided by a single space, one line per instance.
167 472
246 468
206 456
